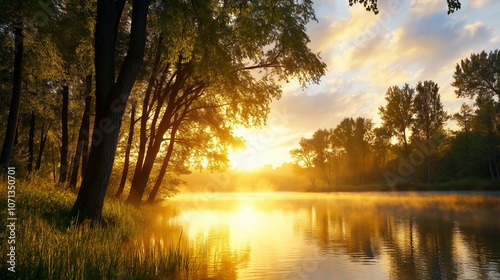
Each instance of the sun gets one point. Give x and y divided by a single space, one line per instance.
244 160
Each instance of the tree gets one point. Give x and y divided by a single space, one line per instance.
363 137
397 115
214 80
485 121
478 75
463 118
344 137
323 153
304 157
112 92
127 151
429 117
16 97
381 148
18 17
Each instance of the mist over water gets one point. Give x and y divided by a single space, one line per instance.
336 236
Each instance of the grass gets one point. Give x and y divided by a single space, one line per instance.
49 246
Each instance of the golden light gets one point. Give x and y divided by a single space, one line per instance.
244 160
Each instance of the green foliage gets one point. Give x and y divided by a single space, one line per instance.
478 75
429 113
397 115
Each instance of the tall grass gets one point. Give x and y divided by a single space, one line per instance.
50 246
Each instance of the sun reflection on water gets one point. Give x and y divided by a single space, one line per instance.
345 236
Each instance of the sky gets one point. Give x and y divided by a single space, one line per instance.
407 42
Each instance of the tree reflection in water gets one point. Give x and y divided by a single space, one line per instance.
397 236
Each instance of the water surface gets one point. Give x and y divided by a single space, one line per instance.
337 236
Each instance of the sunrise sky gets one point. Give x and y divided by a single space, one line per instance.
406 42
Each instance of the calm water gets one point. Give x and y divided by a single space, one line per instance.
337 236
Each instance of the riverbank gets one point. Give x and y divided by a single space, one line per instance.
48 245
458 185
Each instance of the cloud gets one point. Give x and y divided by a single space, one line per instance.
405 43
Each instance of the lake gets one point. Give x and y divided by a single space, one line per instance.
336 236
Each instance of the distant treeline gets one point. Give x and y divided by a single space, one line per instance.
411 146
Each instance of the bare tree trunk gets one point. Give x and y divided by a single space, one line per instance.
407 151
164 165
63 168
31 142
53 164
16 97
86 124
489 158
140 180
111 98
43 139
127 152
495 160
82 138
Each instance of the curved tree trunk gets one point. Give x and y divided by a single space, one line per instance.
16 97
127 152
164 166
82 138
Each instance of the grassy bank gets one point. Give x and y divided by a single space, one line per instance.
49 246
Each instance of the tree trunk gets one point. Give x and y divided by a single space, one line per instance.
495 159
164 165
407 151
363 168
127 152
16 97
43 139
86 123
489 158
111 98
140 181
143 137
63 168
429 162
31 142
53 164
82 138
429 168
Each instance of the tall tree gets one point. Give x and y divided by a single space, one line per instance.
381 148
16 95
111 93
463 118
430 116
63 167
83 135
127 151
344 137
478 75
397 115
212 82
363 138
486 121
322 145
304 157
